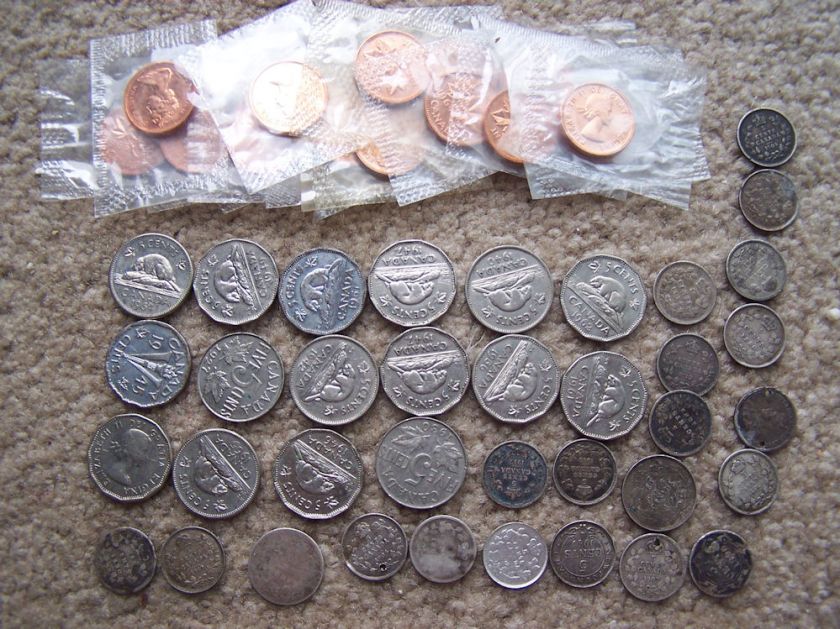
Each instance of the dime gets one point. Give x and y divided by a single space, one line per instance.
756 270
768 200
318 474
454 109
748 482
582 554
504 136
765 419
286 566
288 97
195 148
684 293
156 99
720 563
754 336
652 567
515 474
687 362
680 423
515 556
125 148
374 546
421 463
442 549
391 67
766 137
125 560
598 120
403 161
192 560
585 472
659 493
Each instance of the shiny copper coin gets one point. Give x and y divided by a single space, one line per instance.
156 99
196 147
391 67
504 138
598 120
125 148
288 97
455 109
404 160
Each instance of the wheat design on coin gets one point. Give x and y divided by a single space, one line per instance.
515 556
125 560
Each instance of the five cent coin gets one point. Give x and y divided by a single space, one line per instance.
515 474
598 120
391 67
442 549
687 362
748 482
288 97
659 493
756 270
720 563
286 566
765 419
515 556
192 560
374 546
125 560
684 293
582 554
754 336
766 137
585 472
768 200
652 567
680 423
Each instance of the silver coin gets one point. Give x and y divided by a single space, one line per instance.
509 289
516 379
582 554
421 463
765 419
192 560
652 567
129 458
412 283
680 423
585 472
240 377
515 474
603 395
235 282
720 563
442 549
659 493
603 298
754 336
216 474
148 364
684 293
748 482
756 270
515 555
125 560
374 546
322 291
766 137
318 474
150 276
334 380
687 362
286 566
768 200
425 371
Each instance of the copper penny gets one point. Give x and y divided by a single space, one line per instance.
391 67
196 147
125 148
156 98
455 109
506 141
598 120
404 160
288 97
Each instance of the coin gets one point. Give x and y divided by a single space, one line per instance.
756 270
318 474
286 566
425 371
766 137
598 120
334 380
125 560
391 67
374 546
454 109
603 298
216 474
754 336
235 282
765 419
684 293
404 159
687 362
240 377
288 97
195 148
148 363
582 554
680 423
659 493
515 555
748 482
652 567
192 560
442 549
421 463
515 474
156 98
499 130
720 563
125 148
603 395
585 472
768 200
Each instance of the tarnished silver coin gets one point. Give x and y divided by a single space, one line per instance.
129 458
603 395
680 423
748 482
442 549
766 137
768 200
125 560
150 276
585 472
515 555
235 282
652 567
515 379
765 419
192 560
684 293
425 371
421 463
509 289
659 493
148 364
603 298
754 336
515 474
687 362
412 283
240 377
216 474
318 474
286 566
756 270
374 547
582 554
322 291
334 380
720 563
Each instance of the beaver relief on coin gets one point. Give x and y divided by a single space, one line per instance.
391 67
754 336
515 556
687 362
659 493
585 472
652 567
720 563
374 547
582 554
156 98
756 270
192 560
765 419
684 293
768 200
125 560
442 549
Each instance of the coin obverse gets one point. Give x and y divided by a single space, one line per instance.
125 560
288 97
286 566
374 547
515 474
585 472
659 493
756 270
687 362
680 423
582 554
515 556
684 293
652 567
192 560
720 563
442 549
765 419
768 200
754 336
766 137
748 482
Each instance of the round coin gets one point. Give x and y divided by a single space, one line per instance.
756 270
288 97
582 554
125 148
748 482
687 362
765 419
585 472
652 567
454 109
515 474
391 67
598 120
125 560
195 148
499 130
659 493
192 560
720 563
684 293
515 556
374 546
754 336
680 423
286 566
766 137
768 200
156 99
442 549
405 159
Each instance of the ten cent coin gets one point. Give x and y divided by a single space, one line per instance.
125 560
582 554
442 549
515 556
286 566
192 560
374 547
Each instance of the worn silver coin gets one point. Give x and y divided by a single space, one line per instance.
374 547
768 200
720 563
515 555
515 474
192 560
659 493
442 549
125 560
756 270
754 336
684 293
687 362
652 567
765 419
286 566
766 137
748 482
680 423
585 472
582 554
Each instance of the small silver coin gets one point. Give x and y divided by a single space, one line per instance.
603 395
236 282
748 482
756 270
421 463
765 419
509 289
216 474
515 474
150 276
754 336
129 458
659 493
585 472
680 423
652 567
322 291
374 547
425 371
412 283
192 560
766 137
240 377
720 563
148 364
603 298
515 555
515 379
684 293
125 560
286 566
768 200
334 380
318 474
688 362
582 554
442 549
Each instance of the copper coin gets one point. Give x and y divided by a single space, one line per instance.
196 147
125 148
403 160
288 97
598 120
156 98
497 129
454 109
391 67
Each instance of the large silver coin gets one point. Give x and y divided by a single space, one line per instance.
756 270
768 200
509 289
515 555
192 560
748 482
235 282
515 474
754 336
442 549
412 283
421 463
720 563
425 371
687 362
150 276
129 458
680 423
765 419
684 293
374 547
766 137
125 560
318 474
652 567
659 493
286 566
148 364
585 472
582 554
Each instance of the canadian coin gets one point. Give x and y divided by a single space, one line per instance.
286 566
754 336
391 67
582 554
515 474
442 549
454 108
197 147
515 555
403 159
585 472
684 293
680 423
766 137
598 120
288 97
756 270
765 419
501 132
192 560
126 149
156 98
652 567
125 560
687 362
374 546
659 493
768 200
748 482
720 563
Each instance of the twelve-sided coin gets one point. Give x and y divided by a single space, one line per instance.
515 555
374 547
192 560
684 293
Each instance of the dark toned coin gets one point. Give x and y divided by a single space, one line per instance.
585 472
687 362
756 270
582 554
156 98
766 137
192 560
754 336
720 563
652 567
768 200
515 474
680 423
765 419
125 560
659 493
748 482
684 293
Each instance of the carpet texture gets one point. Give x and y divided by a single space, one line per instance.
58 319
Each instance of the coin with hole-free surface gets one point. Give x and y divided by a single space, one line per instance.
756 270
286 566
156 98
680 423
582 554
766 137
454 107
125 560
652 567
768 200
659 493
765 419
515 474
197 147
720 563
374 547
515 556
585 472
288 97
442 549
687 362
754 336
192 560
501 132
748 482
124 148
684 293
391 67
598 120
